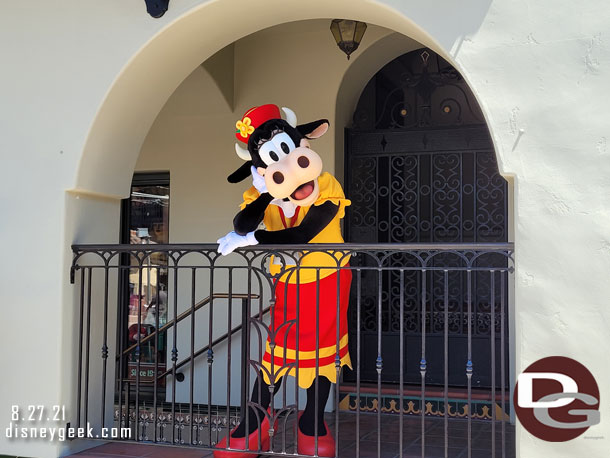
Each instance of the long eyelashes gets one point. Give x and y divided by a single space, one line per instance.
273 150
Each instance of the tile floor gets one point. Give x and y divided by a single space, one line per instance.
389 443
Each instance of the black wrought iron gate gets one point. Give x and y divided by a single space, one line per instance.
420 168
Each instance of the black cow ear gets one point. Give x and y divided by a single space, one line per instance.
241 173
314 129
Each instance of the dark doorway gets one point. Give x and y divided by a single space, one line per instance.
421 168
144 221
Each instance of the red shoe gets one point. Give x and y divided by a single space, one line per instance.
307 444
239 443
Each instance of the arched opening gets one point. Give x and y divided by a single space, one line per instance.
118 128
421 169
169 139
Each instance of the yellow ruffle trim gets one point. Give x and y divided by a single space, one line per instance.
308 374
324 352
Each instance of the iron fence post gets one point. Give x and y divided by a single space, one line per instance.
245 338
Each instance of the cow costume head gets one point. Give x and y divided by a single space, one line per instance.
280 152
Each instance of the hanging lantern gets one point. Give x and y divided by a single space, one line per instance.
348 34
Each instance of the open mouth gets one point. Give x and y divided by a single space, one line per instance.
303 191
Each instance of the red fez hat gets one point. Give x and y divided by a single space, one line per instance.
253 118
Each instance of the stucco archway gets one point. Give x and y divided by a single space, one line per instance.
83 84
148 79
137 95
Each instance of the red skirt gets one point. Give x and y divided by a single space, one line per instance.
286 341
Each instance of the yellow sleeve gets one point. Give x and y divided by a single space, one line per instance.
250 195
330 189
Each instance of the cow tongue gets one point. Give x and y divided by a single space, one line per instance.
303 191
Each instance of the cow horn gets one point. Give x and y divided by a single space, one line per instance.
243 153
291 118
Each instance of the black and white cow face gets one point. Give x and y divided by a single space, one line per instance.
263 141
282 154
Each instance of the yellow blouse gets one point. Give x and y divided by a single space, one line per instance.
330 190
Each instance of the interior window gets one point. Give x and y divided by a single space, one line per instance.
147 215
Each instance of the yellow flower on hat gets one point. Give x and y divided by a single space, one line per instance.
244 127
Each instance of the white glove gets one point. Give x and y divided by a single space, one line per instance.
233 240
258 181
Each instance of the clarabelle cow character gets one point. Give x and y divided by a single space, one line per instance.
298 203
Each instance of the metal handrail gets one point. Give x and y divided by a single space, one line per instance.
207 347
483 282
185 314
306 246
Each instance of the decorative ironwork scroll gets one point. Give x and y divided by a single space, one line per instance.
420 168
417 89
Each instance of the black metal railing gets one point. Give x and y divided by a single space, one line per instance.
173 381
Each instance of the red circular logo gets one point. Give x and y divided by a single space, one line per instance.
556 399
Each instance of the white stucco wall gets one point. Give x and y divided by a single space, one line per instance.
83 81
